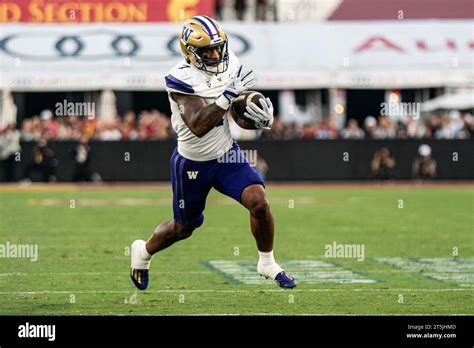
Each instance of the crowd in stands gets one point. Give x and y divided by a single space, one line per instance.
454 125
148 125
154 125
242 7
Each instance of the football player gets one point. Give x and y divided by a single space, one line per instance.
201 89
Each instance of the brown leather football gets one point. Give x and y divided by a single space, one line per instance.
239 107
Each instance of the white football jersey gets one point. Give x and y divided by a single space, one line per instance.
185 78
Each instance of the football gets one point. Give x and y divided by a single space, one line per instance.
239 108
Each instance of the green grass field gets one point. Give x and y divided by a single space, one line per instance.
83 266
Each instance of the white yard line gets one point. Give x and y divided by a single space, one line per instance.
222 291
163 201
93 273
182 272
290 315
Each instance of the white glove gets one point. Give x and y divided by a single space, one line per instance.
243 80
263 118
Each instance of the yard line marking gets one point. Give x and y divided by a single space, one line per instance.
282 314
221 291
95 273
299 314
182 272
166 201
274 185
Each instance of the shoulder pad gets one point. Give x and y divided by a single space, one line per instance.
180 79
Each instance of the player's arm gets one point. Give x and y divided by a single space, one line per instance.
199 118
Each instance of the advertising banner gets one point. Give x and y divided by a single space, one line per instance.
413 54
102 11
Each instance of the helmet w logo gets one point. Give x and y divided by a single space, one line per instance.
186 33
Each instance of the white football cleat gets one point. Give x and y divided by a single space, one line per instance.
276 273
140 264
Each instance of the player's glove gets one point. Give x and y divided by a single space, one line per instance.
263 118
243 80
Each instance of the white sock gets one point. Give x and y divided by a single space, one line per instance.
140 256
267 264
144 252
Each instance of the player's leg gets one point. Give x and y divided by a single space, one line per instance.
165 235
261 218
241 182
190 191
263 229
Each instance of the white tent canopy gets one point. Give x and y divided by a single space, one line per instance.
460 100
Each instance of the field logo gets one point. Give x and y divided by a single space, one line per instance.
75 109
460 271
37 331
349 251
22 251
193 175
238 156
306 271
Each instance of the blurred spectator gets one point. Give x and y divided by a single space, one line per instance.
382 165
467 131
110 131
240 9
9 149
352 131
162 125
261 167
82 155
289 131
415 129
64 131
28 132
326 130
129 130
424 165
456 122
401 131
37 129
369 124
219 4
445 131
385 129
48 125
76 127
261 10
309 131
433 123
43 161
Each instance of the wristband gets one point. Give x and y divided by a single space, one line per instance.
223 102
